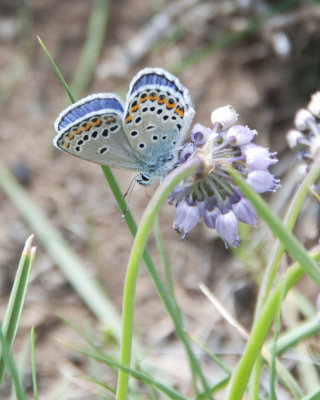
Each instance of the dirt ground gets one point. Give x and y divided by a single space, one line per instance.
266 76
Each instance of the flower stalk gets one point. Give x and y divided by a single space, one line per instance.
193 166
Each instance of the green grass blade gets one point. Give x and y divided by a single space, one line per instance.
313 396
212 356
16 300
9 363
170 393
98 382
33 365
69 263
300 332
57 71
273 361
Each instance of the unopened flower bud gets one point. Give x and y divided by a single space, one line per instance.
225 116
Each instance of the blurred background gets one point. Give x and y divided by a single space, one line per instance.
261 57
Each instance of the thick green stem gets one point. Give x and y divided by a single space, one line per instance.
187 169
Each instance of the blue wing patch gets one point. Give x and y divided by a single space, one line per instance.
95 104
153 79
158 78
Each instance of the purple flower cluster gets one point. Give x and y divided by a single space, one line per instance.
305 138
213 196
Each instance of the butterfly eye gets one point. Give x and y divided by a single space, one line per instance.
144 180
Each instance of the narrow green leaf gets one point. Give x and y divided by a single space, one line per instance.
57 71
9 363
98 382
313 396
299 333
17 296
33 365
273 362
172 394
68 262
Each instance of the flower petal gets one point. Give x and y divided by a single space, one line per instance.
227 228
210 217
262 181
245 212
241 134
258 157
178 193
186 152
186 217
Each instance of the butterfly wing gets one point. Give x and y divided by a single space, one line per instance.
158 113
92 129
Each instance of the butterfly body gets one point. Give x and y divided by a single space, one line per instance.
143 135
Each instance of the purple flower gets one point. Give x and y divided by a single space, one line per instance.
210 217
213 196
186 152
262 181
241 134
227 228
258 157
186 217
244 211
200 134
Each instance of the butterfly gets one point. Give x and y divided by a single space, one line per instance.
144 134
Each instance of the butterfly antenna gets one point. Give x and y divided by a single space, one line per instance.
129 190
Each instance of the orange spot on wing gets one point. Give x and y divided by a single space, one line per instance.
179 111
134 108
86 127
97 122
152 98
67 145
143 98
128 118
162 101
78 131
170 105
